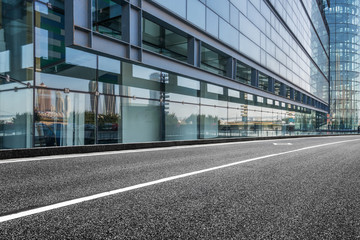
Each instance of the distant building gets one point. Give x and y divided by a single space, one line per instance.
344 22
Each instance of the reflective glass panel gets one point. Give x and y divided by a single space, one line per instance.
16 43
64 119
16 117
243 73
158 39
277 88
263 82
181 121
213 61
109 120
141 120
109 75
107 17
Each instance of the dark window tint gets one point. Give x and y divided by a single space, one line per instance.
107 17
243 73
213 61
158 39
263 82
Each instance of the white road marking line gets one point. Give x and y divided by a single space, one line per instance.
282 144
78 155
126 189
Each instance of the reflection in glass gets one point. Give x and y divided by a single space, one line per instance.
141 120
213 61
237 119
16 42
288 92
181 121
64 119
263 82
109 120
243 73
109 77
16 119
213 119
158 39
141 82
107 17
277 87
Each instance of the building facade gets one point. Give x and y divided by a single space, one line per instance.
344 22
115 71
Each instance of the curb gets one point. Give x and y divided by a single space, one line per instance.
48 151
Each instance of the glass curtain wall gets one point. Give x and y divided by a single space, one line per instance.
16 70
82 98
344 23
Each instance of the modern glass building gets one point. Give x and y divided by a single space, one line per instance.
115 71
344 22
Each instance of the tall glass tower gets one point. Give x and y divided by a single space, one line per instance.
343 18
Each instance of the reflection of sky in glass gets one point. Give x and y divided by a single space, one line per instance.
12 103
182 98
146 73
59 81
42 43
27 56
188 83
213 102
215 89
183 111
80 58
39 7
233 93
221 113
5 61
109 65
141 92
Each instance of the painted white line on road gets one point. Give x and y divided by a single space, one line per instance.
282 144
78 155
126 189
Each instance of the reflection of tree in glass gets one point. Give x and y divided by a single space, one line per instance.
171 119
108 121
20 119
209 119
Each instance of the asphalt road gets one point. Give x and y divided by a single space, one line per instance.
302 188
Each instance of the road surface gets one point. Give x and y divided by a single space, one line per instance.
299 188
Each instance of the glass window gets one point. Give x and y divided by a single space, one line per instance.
243 73
107 17
141 82
64 119
288 92
76 72
109 75
158 39
213 119
56 65
16 117
109 120
16 42
263 82
277 87
181 121
213 61
141 120
297 95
